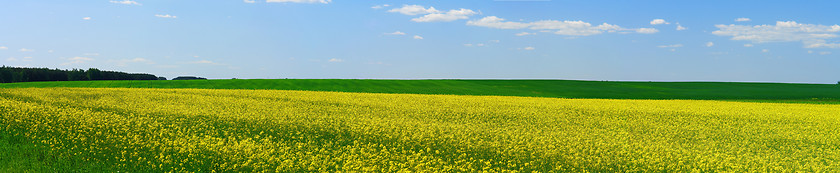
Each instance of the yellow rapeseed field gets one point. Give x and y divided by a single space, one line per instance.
204 130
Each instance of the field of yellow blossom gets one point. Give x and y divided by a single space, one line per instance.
206 130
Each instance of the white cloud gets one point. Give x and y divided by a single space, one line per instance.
86 18
50 51
402 33
748 45
27 50
670 46
821 44
91 54
336 60
138 60
167 66
765 50
380 6
249 1
77 60
528 48
658 22
431 14
81 59
496 22
377 63
15 59
573 28
126 2
412 10
647 30
525 33
680 27
825 53
302 1
811 35
810 51
481 44
165 16
710 44
446 17
743 19
395 33
3 48
204 62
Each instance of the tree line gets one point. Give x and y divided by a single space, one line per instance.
20 74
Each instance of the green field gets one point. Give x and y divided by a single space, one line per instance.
785 92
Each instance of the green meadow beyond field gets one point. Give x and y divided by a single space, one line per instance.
824 93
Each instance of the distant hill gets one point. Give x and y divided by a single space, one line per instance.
530 88
189 78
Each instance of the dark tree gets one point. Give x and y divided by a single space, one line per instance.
18 74
94 74
77 75
6 75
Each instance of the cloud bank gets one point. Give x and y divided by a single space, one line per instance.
571 28
811 35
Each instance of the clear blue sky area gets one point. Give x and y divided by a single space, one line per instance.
745 40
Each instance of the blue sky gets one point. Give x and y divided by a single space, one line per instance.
769 41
